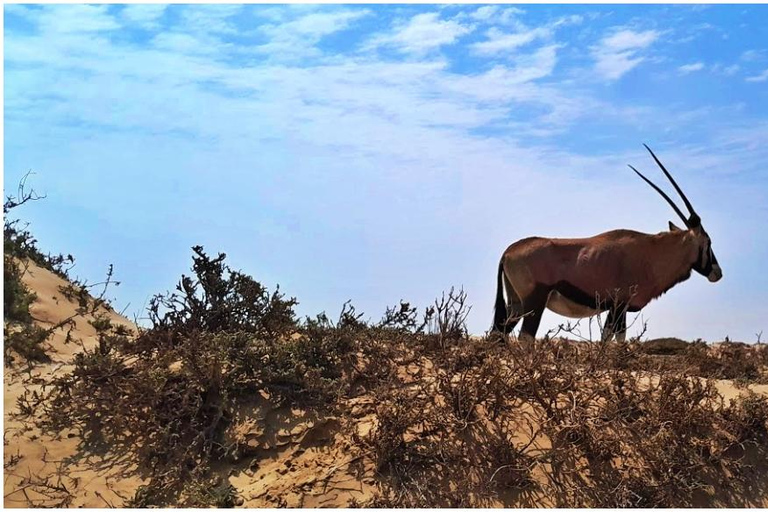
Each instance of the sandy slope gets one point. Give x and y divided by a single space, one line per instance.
94 481
293 457
303 459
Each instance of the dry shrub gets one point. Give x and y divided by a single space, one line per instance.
736 361
167 396
728 360
171 391
448 317
22 338
665 347
580 423
419 461
749 417
459 421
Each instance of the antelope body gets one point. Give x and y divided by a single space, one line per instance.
617 271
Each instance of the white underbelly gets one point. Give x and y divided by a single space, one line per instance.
562 306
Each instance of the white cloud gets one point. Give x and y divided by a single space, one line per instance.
509 15
499 41
485 12
210 18
721 69
753 55
316 25
495 14
298 37
144 15
75 18
762 77
333 141
421 34
505 84
627 40
537 65
188 44
573 19
619 53
690 68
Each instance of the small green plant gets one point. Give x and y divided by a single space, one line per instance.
16 296
23 338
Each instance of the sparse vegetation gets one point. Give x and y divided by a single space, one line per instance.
19 242
665 347
458 421
455 420
23 337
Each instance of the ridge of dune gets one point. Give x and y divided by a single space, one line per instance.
292 456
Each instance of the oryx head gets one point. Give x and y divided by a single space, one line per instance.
706 264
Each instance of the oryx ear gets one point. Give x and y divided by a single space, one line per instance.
672 227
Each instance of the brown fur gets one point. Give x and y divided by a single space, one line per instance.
617 271
622 264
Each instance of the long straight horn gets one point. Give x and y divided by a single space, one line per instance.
694 216
665 196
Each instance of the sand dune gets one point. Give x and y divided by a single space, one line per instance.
289 456
304 460
32 457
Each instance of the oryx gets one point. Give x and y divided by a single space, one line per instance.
618 271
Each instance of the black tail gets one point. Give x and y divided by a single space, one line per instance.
500 313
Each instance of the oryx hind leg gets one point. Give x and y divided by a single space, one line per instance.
533 308
514 306
616 323
524 299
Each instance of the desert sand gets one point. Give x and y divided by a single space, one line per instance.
302 460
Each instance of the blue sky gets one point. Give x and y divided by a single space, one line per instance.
375 153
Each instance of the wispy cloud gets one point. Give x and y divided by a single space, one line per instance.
315 135
507 41
761 77
620 52
298 37
690 68
485 12
211 18
754 55
422 33
498 41
495 14
77 19
143 15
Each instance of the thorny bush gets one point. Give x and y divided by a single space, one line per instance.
219 339
574 424
458 420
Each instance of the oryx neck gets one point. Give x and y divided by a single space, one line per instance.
676 253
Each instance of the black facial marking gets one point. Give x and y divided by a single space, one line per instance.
699 266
